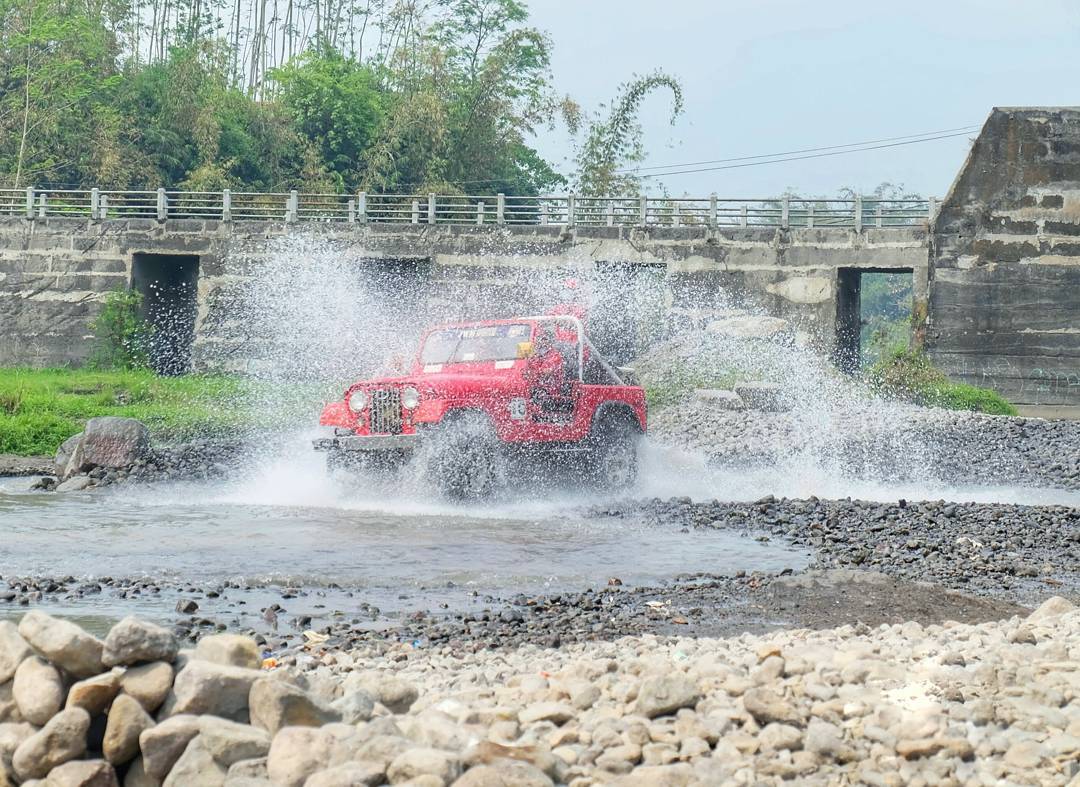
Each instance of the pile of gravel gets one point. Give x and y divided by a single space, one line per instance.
879 441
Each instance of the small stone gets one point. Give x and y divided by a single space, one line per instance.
424 762
1051 608
392 692
148 683
133 641
354 707
63 643
554 712
676 775
662 696
775 737
126 722
95 694
38 690
827 740
229 649
75 484
765 705
1025 755
62 739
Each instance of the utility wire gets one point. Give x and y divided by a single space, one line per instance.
799 158
803 150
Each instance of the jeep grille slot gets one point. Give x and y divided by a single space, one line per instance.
386 411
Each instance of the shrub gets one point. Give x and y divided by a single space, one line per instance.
122 336
911 376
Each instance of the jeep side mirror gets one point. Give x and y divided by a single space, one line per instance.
525 350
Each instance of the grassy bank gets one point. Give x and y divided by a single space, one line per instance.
910 376
40 408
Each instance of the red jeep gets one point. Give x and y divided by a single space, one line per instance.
482 396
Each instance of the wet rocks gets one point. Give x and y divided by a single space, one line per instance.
113 442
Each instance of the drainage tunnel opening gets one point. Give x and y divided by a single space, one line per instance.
168 284
873 314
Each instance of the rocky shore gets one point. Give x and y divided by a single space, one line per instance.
895 704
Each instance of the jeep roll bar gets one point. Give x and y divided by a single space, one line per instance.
581 342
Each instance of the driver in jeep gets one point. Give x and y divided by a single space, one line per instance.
547 373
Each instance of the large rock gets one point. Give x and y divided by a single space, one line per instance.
149 684
205 687
299 752
275 704
230 742
133 641
394 693
95 694
63 643
767 706
196 768
82 773
38 690
12 734
767 397
9 709
127 721
109 441
355 707
61 740
663 695
137 776
13 649
162 745
229 649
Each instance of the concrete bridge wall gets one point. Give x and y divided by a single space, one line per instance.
56 272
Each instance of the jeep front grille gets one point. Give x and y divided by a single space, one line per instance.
386 411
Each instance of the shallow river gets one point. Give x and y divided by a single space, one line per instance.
388 545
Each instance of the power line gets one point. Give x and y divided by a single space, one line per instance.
799 158
803 150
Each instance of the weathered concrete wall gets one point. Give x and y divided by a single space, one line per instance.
55 273
1005 282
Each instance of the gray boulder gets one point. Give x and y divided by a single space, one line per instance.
133 641
127 721
664 695
275 704
61 740
230 649
63 643
82 773
204 687
109 441
38 690
13 649
95 694
161 746
148 683
196 768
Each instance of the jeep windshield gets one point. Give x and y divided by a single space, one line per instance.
477 344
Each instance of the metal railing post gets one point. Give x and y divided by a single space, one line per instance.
42 205
858 214
785 212
351 207
30 202
95 202
643 210
361 207
416 211
430 208
162 205
742 216
570 209
676 215
609 211
103 207
226 205
500 209
480 212
713 217
543 212
292 207
810 216
880 216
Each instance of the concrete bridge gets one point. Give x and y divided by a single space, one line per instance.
996 268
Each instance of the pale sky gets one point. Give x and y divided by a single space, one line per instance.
765 76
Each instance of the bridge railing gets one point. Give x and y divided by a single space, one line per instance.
490 209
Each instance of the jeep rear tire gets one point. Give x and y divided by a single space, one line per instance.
464 461
613 453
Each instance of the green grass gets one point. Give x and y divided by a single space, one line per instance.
909 375
40 408
679 380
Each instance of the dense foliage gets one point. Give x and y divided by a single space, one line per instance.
316 95
911 376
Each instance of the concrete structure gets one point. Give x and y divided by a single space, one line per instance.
997 276
56 272
1005 288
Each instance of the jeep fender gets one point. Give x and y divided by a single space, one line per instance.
616 410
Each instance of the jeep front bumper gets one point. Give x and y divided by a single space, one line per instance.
388 442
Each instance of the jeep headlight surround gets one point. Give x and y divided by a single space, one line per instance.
357 400
410 398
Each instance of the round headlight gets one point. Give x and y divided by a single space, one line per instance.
410 398
357 401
